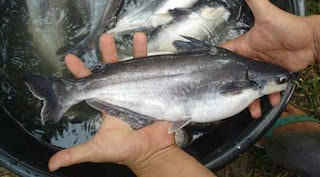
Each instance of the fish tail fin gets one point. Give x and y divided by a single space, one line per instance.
46 89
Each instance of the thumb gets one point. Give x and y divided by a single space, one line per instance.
70 156
258 7
240 46
261 8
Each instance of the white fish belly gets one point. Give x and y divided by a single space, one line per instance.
217 107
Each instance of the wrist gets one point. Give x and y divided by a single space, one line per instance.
153 160
171 161
313 22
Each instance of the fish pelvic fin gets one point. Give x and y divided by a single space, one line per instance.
53 93
177 125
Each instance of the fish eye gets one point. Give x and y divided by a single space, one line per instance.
283 79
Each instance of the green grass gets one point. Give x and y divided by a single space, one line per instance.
313 7
307 94
6 173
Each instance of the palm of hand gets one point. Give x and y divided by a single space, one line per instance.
117 142
284 41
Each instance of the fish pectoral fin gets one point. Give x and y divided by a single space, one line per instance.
234 88
177 125
192 45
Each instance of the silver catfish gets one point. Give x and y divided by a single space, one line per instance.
98 14
148 15
201 84
60 27
200 22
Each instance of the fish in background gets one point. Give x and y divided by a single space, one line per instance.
202 83
61 27
47 31
101 12
200 22
149 15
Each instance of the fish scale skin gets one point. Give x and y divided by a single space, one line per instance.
172 87
206 84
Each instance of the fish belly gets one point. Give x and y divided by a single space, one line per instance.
218 106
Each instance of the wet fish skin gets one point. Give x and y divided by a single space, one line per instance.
61 27
200 22
205 84
100 13
149 15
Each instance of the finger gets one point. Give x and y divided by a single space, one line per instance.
255 108
232 44
76 66
108 49
71 156
275 99
139 45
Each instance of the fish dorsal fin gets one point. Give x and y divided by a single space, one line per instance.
192 45
178 12
177 125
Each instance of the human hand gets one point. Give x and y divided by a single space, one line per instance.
115 141
277 37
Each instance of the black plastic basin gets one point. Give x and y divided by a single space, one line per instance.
27 156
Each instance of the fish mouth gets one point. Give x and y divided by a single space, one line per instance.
273 87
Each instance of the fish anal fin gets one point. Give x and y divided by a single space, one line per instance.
98 105
177 125
133 119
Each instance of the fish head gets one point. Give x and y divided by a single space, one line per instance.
268 79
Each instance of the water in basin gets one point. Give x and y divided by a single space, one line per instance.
32 36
